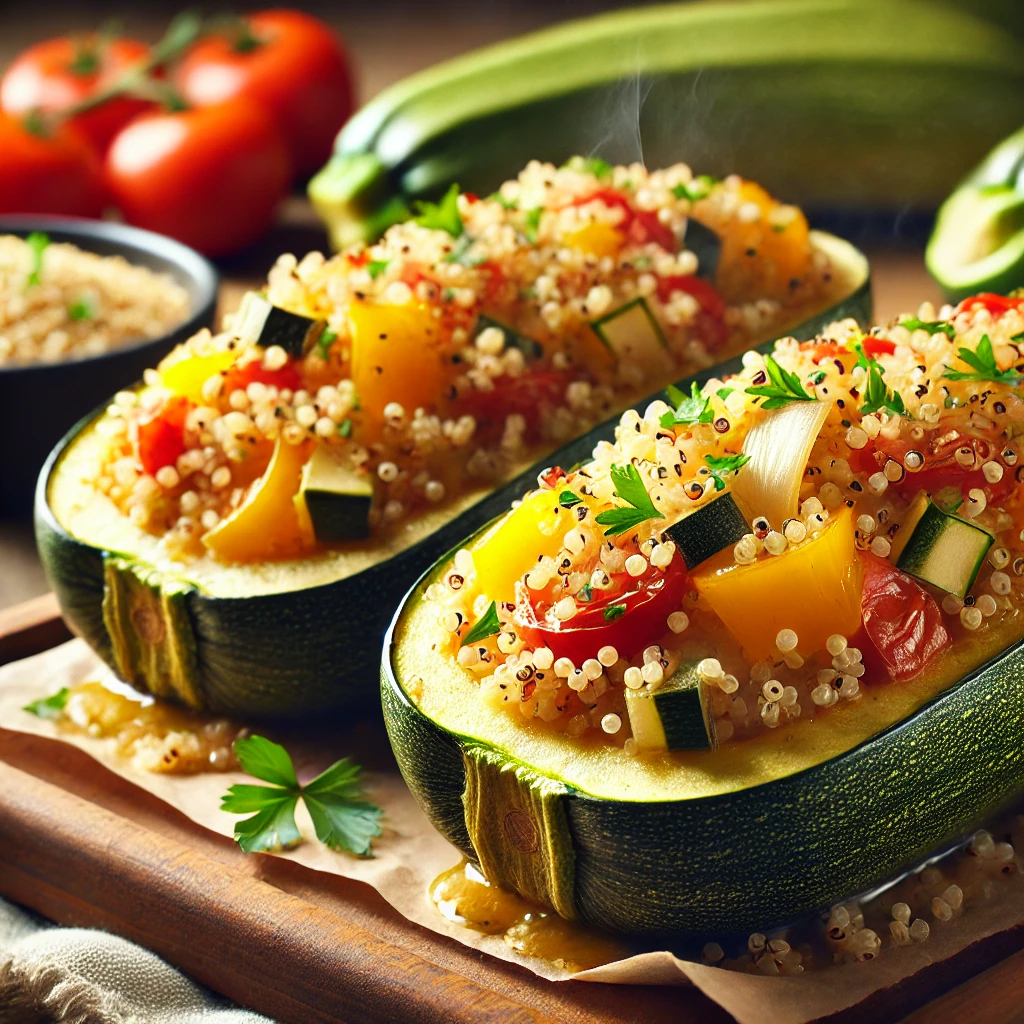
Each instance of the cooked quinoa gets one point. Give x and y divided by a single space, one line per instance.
461 345
927 406
60 302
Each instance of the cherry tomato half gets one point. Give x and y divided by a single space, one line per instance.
648 601
210 177
50 171
60 73
711 319
901 619
639 226
160 439
292 64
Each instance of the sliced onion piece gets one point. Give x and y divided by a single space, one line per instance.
779 447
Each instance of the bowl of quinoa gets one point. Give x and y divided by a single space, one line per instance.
85 307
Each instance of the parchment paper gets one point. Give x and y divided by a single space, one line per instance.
410 855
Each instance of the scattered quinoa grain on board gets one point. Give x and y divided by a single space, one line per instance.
358 392
60 302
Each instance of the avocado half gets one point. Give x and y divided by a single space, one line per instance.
700 843
290 638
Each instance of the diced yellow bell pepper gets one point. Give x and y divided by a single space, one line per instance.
813 590
515 543
397 356
185 373
596 239
266 524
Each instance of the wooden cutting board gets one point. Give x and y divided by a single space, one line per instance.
85 847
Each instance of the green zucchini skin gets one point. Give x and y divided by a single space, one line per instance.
766 855
761 81
311 651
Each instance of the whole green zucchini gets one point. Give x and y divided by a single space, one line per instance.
773 829
978 241
852 104
284 639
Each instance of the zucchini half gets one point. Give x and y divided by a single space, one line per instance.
289 638
693 842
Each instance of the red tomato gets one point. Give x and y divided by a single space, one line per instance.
997 305
639 226
901 619
291 64
649 600
210 177
48 172
873 348
240 377
59 73
161 438
525 394
711 320
940 466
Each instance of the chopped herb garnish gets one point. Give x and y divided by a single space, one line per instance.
82 308
697 189
509 204
49 707
533 223
984 367
377 267
488 625
630 488
37 241
597 167
877 396
442 216
1018 338
586 593
567 499
341 819
724 393
721 465
931 326
695 408
325 341
784 387
345 428
613 612
460 254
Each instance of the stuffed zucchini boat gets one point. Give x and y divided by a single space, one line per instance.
758 653
235 531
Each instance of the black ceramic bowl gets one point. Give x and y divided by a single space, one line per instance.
39 401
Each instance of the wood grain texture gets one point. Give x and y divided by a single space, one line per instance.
31 627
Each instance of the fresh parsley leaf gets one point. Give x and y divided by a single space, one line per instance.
599 168
720 465
325 341
613 612
877 396
488 625
697 189
630 488
785 387
345 428
509 204
533 223
585 593
442 216
341 819
695 408
49 707
568 500
931 326
377 267
983 363
1018 338
37 241
724 393
82 308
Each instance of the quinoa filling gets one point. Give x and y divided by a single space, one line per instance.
400 377
840 513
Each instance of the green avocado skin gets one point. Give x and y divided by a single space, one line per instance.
763 856
313 651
